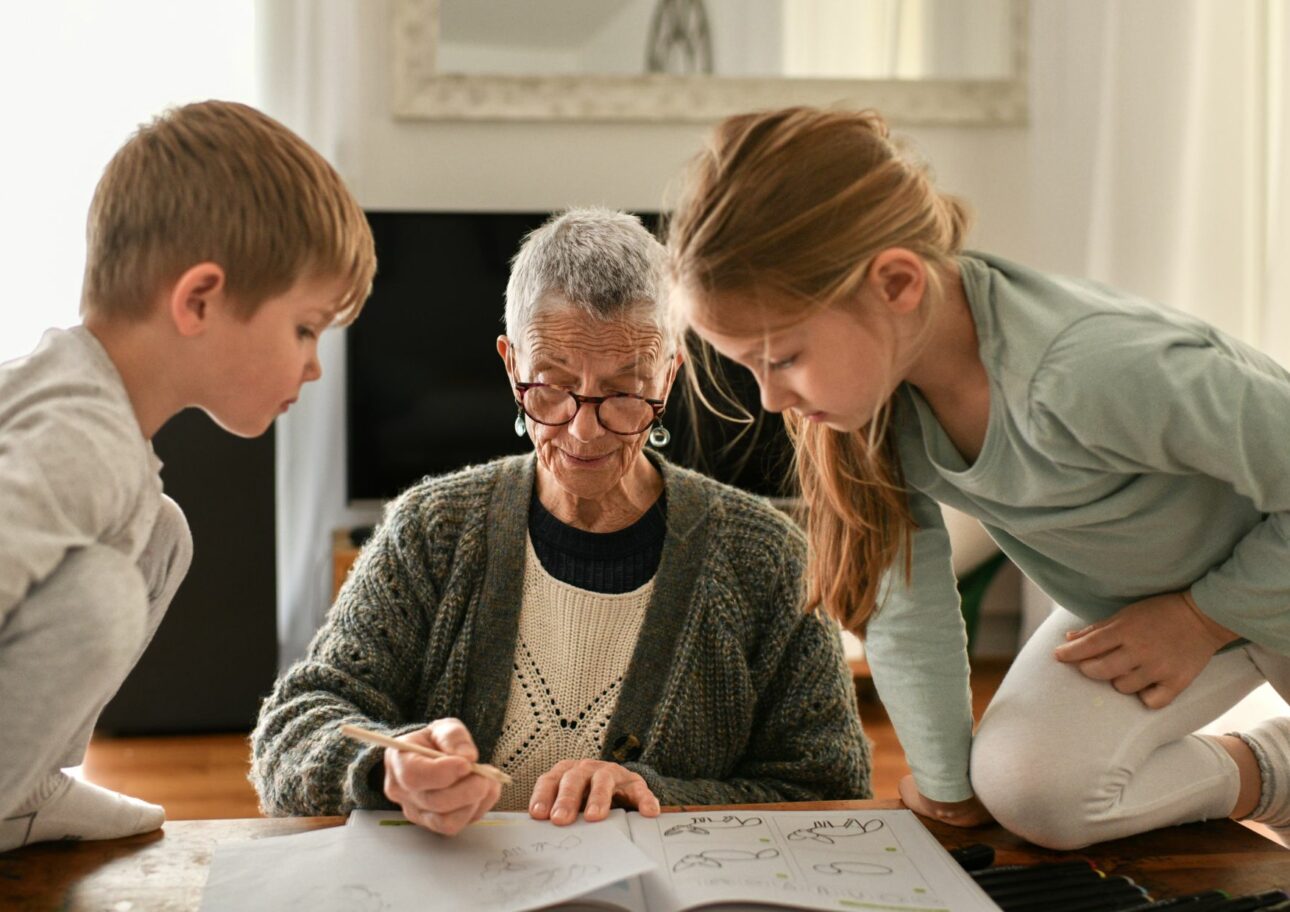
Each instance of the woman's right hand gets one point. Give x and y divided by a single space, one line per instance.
967 813
441 794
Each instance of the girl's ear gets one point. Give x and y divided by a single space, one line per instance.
190 300
897 278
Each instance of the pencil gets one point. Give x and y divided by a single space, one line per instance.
371 737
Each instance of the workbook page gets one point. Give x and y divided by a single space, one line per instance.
879 859
381 864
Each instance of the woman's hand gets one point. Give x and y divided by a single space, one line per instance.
967 813
442 795
596 784
1153 648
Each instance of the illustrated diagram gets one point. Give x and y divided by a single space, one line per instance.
704 826
829 832
719 858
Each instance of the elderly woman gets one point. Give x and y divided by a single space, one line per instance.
604 626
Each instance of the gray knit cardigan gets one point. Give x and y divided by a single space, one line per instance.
733 694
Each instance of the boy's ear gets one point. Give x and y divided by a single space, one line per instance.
898 278
190 299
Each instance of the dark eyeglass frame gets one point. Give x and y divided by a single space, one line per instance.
659 406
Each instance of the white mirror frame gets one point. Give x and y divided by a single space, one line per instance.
422 93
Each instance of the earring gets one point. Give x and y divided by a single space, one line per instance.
520 427
659 435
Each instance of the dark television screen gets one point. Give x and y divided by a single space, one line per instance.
426 392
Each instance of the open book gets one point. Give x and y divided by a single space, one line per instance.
838 860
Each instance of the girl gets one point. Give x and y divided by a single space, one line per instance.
1131 460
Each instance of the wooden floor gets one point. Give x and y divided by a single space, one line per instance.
204 776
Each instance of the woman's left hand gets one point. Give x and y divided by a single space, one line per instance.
1153 648
596 784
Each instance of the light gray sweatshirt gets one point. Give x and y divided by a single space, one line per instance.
75 469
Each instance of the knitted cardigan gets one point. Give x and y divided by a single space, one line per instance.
733 694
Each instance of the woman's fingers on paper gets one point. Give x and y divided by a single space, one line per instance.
569 796
600 795
544 791
635 793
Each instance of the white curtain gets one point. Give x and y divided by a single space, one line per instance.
76 78
307 60
1161 164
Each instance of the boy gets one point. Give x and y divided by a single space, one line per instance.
219 247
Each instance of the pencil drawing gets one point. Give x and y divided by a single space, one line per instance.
703 826
827 831
718 858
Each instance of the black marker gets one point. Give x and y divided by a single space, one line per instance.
974 857
1050 869
1257 901
1038 892
1047 896
1192 901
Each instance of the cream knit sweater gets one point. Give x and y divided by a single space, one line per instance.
572 650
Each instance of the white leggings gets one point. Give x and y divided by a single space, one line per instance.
67 646
1064 761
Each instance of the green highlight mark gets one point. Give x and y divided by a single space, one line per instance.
857 904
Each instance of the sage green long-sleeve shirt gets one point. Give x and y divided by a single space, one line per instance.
1131 451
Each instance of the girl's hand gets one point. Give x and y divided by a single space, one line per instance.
1153 648
442 794
560 793
967 813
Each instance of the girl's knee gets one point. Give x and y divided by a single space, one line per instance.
1022 788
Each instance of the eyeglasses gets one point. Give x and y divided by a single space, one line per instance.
620 413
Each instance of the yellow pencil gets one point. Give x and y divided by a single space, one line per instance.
371 737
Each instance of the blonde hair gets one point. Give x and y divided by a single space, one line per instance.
779 217
221 182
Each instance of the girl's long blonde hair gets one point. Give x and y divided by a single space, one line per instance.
780 216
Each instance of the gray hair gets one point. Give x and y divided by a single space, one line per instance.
603 262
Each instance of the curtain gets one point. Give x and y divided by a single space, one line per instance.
307 52
1161 167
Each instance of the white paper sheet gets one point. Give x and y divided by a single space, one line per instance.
834 860
503 863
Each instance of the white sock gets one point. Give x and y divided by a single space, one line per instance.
1269 741
67 808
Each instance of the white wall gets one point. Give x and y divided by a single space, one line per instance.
523 166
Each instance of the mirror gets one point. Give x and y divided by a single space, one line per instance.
919 61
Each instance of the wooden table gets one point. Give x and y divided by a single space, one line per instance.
167 870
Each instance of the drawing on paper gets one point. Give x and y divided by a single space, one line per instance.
519 858
828 831
348 898
834 868
719 858
538 881
704 826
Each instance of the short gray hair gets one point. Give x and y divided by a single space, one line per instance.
605 263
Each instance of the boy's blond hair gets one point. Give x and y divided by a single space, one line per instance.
221 182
